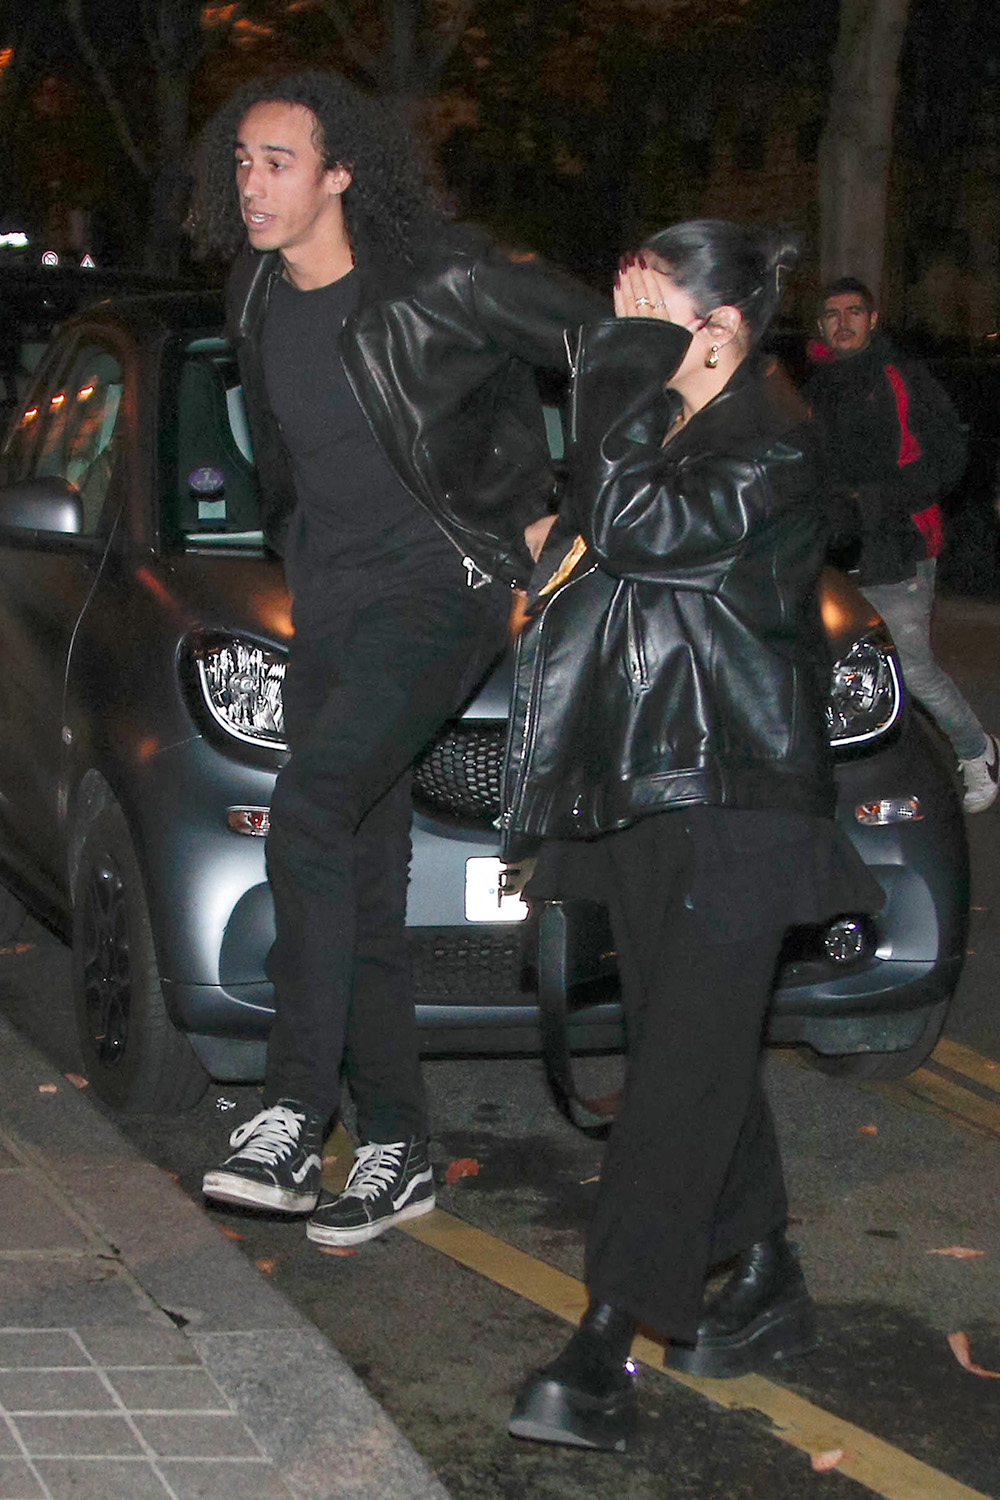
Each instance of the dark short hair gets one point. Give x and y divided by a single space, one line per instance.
847 286
719 263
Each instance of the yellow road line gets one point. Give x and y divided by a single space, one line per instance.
880 1467
934 1094
962 1059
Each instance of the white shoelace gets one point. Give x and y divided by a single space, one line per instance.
375 1169
274 1133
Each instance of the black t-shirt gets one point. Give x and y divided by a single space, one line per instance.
352 511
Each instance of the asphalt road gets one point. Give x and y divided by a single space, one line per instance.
441 1323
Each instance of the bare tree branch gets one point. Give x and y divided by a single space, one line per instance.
436 58
355 48
74 12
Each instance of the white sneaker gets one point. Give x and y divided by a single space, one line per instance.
982 778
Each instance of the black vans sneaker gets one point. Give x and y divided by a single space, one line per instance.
278 1162
387 1185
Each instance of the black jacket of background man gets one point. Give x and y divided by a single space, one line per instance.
683 662
440 362
894 448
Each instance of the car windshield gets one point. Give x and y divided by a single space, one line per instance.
210 497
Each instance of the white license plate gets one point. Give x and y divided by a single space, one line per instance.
484 900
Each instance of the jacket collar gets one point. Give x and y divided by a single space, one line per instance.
261 272
758 400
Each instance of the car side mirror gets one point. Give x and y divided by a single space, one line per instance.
48 503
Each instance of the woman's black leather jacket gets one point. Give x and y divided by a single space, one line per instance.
683 661
440 360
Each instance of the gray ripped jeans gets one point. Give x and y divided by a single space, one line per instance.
906 609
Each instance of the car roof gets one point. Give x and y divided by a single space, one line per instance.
152 315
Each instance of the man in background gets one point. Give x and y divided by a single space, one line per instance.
894 450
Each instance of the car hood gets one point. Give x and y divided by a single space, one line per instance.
232 592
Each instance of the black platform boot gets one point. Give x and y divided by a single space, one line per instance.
586 1396
763 1313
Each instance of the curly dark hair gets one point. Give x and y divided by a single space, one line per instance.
386 207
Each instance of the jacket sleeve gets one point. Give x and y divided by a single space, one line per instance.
665 514
531 309
932 446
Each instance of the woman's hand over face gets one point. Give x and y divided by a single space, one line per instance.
640 291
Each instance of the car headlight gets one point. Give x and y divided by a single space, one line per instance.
241 685
865 692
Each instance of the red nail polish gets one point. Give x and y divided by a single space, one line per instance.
640 261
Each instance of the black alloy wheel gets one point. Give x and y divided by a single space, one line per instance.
134 1058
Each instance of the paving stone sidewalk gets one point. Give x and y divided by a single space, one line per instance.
141 1356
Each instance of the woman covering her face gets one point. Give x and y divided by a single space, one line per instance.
668 742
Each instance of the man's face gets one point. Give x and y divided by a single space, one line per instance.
288 199
846 324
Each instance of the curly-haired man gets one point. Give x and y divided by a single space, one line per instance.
386 363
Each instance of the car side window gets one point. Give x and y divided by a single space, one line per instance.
216 480
78 442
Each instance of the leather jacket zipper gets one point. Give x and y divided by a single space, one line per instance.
506 819
475 576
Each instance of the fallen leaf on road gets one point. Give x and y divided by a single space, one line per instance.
16 949
958 1252
827 1460
76 1079
336 1250
268 1265
328 1161
958 1343
231 1234
48 1088
174 1176
867 1130
585 1180
462 1166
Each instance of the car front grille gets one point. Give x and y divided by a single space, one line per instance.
459 775
452 966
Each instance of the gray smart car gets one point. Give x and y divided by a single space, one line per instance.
144 629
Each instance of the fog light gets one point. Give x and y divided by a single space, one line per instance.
889 810
844 941
253 821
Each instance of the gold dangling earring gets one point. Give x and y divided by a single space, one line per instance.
712 357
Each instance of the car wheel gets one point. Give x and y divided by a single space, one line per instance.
134 1057
888 1065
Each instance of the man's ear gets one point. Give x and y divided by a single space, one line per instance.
872 320
338 179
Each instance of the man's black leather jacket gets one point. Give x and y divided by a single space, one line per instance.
683 661
440 361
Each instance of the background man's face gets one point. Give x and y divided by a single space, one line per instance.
846 324
288 199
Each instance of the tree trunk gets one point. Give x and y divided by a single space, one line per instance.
856 146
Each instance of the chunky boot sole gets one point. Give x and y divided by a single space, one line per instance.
360 1234
228 1187
547 1411
782 1332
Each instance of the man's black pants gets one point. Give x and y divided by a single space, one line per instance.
692 1175
362 699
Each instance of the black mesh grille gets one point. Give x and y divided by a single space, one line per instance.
459 775
473 967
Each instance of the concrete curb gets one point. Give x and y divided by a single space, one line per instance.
313 1419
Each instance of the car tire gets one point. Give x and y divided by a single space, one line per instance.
887 1065
134 1058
